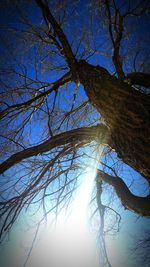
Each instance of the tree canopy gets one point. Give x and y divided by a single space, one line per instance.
74 81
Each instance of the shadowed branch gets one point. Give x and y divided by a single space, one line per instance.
140 205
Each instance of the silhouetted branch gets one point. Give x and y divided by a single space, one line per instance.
66 48
63 80
82 135
140 205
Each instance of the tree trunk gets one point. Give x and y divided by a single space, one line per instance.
126 112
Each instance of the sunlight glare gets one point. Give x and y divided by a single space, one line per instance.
70 237
77 216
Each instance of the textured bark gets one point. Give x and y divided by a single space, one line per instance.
126 113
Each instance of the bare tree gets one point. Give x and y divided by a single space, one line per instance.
141 249
56 107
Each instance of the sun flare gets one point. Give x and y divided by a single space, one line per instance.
77 215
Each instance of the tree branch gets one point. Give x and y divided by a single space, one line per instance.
66 48
74 137
116 29
139 78
140 205
63 80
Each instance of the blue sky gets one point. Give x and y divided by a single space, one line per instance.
35 132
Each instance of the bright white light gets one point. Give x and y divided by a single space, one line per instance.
77 218
70 243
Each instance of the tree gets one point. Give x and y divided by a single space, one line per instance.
107 104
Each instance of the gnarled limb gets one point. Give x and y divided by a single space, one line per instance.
139 205
81 135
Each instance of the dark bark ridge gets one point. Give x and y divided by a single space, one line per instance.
126 112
